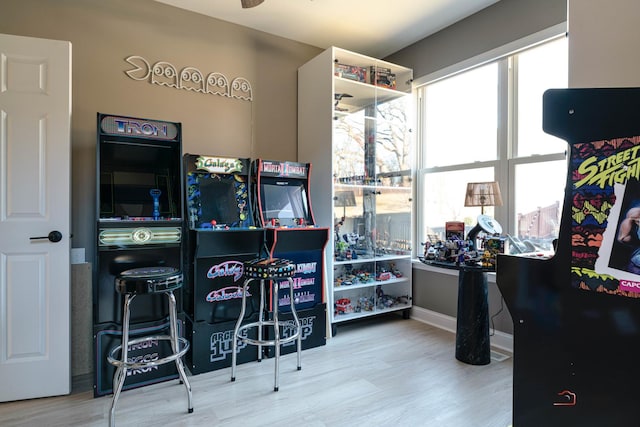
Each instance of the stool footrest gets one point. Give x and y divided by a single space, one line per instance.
183 346
252 341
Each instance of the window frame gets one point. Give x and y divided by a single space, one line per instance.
507 160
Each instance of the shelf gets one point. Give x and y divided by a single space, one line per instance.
342 186
375 259
369 285
393 257
349 114
351 316
362 95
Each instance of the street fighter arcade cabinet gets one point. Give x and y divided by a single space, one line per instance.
284 209
221 237
139 224
577 315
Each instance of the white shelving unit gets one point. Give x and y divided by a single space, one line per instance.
357 136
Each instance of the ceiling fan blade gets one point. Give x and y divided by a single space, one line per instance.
250 3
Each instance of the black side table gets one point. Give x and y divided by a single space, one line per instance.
473 345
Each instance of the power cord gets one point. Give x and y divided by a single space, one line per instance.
493 327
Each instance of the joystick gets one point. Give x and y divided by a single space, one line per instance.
155 193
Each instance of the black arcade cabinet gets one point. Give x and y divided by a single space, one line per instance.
577 315
139 224
221 237
281 191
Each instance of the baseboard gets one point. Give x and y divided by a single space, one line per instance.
499 340
434 318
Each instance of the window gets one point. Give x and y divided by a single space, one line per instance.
485 124
462 113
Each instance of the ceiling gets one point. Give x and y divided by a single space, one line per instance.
374 27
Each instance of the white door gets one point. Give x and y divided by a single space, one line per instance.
35 111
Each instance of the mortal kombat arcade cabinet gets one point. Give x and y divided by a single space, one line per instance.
139 224
281 191
577 315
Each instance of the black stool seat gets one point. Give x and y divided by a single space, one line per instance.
148 280
269 269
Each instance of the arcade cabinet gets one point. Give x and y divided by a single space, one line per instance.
281 192
221 237
139 224
577 314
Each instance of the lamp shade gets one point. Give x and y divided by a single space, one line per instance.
483 194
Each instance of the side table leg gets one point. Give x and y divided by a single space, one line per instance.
473 344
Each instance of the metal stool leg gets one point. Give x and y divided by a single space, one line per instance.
121 372
276 333
234 345
261 319
296 321
273 270
175 346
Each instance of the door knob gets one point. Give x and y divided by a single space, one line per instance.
55 236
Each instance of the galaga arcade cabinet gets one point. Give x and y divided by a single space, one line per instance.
577 315
281 191
221 237
139 224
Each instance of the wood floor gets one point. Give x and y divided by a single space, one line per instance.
381 372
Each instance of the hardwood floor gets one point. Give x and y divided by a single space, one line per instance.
378 372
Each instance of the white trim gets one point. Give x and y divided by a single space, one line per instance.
494 54
499 340
419 265
434 318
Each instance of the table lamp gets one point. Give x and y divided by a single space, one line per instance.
483 194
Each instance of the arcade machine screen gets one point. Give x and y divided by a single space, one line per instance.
138 181
220 197
217 192
282 193
284 202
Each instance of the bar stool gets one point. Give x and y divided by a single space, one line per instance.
147 281
267 269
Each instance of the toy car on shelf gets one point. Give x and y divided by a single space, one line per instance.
343 306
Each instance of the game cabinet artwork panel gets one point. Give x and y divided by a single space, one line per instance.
605 213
